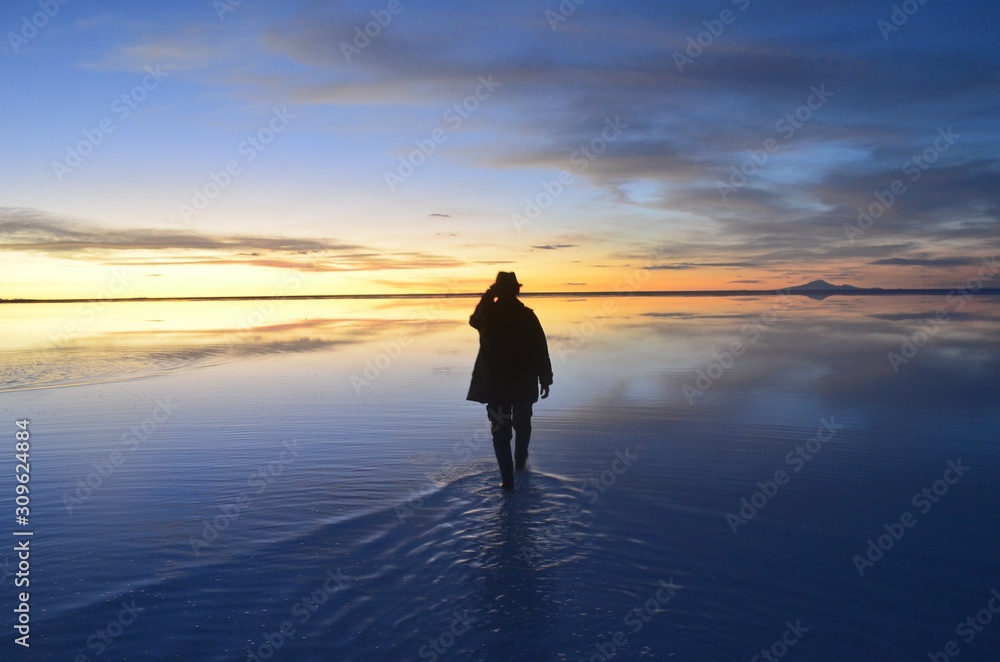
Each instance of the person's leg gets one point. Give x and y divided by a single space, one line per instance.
500 425
521 422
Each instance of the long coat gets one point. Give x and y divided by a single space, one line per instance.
513 355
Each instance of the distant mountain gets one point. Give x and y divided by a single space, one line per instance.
820 289
821 286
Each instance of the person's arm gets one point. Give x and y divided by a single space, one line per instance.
543 365
478 318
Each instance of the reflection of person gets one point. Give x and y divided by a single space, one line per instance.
513 360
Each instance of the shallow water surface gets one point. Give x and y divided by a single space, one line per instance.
711 477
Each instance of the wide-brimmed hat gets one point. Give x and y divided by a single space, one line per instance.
506 280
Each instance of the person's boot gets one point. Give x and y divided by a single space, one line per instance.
507 475
522 436
504 462
520 452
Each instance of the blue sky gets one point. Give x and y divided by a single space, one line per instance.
650 111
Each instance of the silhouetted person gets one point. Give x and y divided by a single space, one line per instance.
513 360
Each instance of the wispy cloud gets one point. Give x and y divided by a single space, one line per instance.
929 261
30 230
689 265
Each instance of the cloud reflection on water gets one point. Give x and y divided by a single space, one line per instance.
643 351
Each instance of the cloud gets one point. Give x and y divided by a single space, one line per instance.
670 315
928 316
32 230
192 49
554 247
686 129
929 262
688 265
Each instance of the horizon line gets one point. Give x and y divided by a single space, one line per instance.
793 290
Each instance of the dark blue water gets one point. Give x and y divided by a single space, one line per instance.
200 495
